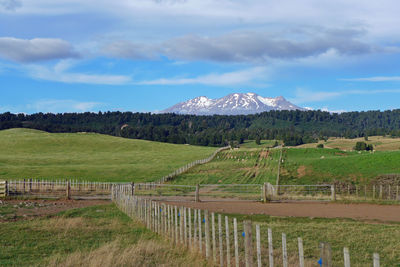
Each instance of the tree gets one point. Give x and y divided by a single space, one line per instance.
362 146
258 140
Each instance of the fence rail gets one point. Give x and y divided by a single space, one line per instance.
223 241
221 192
3 189
185 168
57 189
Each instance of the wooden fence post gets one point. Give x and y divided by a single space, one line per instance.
346 256
333 193
284 251
248 245
270 248
214 243
301 252
176 225
258 239
381 192
185 226
195 228
200 232
190 227
207 233
326 254
68 190
181 225
228 247
265 192
235 233
197 193
376 260
221 247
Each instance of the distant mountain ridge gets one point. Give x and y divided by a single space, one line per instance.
232 104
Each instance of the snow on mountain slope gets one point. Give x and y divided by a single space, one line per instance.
232 104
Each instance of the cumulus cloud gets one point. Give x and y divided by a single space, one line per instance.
246 46
10 5
33 50
221 79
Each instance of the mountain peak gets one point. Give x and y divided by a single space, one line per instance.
232 104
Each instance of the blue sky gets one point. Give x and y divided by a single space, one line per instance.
146 55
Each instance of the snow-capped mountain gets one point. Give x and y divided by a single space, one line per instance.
232 104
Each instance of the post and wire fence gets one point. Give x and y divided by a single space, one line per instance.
223 240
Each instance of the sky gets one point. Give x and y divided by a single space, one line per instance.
147 55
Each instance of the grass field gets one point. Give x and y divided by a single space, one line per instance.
300 166
93 236
313 165
27 153
380 143
240 166
362 239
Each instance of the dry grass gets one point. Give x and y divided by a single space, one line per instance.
380 143
144 253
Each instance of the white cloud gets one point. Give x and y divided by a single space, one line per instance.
64 105
60 73
10 5
37 49
307 96
221 79
246 46
375 79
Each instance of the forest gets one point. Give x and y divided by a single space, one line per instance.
292 127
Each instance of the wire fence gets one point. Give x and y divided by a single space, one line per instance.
225 241
188 166
58 189
213 192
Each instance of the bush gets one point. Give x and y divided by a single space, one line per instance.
361 146
320 146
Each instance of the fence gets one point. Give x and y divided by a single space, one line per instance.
3 189
59 188
185 168
225 242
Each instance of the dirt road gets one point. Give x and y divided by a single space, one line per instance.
369 212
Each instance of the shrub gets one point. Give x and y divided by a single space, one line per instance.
320 146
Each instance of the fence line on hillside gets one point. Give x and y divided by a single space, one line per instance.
185 168
222 242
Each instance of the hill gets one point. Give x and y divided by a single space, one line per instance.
300 166
27 153
380 143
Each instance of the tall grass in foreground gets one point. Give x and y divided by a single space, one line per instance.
93 236
144 253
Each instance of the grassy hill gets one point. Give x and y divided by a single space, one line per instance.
27 153
300 166
380 143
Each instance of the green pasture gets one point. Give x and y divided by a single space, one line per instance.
299 166
362 238
26 153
